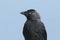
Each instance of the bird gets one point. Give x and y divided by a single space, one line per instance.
34 28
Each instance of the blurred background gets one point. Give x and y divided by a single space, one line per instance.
12 22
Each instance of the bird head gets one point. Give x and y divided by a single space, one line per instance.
31 14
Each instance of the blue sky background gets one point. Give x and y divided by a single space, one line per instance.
11 22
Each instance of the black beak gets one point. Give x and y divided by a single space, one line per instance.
22 13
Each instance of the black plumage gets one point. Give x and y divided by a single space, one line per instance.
34 28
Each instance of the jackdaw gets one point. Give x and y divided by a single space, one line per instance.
34 28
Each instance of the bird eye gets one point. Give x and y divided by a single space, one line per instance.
29 13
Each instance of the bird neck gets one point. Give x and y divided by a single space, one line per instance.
34 20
